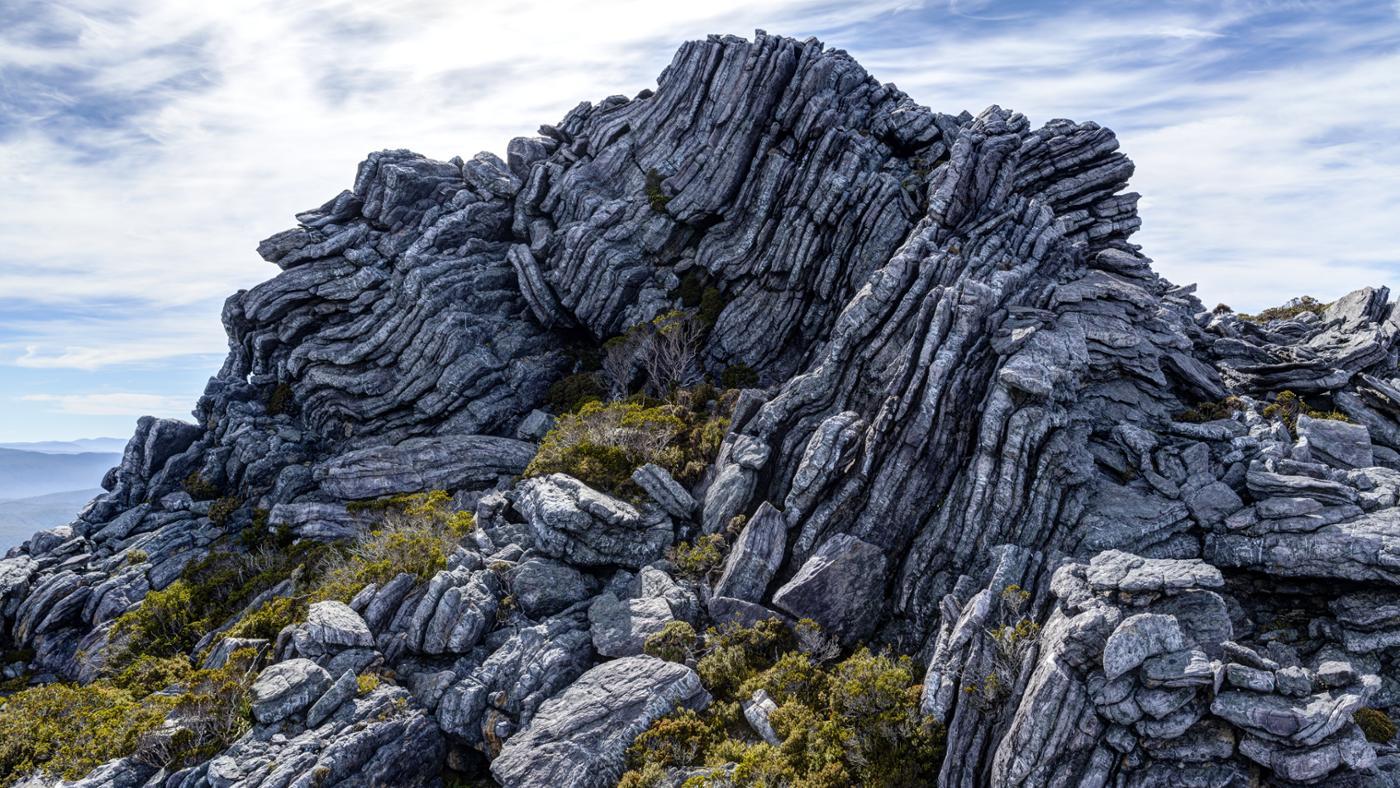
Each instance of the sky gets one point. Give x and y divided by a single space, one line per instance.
146 146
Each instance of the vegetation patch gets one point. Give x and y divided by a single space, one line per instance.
66 730
1287 407
1377 726
1212 411
1296 307
603 443
852 722
656 197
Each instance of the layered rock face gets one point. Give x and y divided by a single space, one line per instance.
966 443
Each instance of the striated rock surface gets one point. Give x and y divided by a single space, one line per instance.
971 409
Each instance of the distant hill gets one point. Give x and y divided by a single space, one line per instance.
79 446
19 519
29 474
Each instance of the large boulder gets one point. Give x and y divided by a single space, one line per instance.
755 556
444 462
579 738
840 587
286 688
585 527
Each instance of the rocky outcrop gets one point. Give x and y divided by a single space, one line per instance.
983 432
579 737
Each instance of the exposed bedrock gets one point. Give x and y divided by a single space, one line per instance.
975 427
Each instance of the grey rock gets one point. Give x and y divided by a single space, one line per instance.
449 462
668 493
838 587
578 524
342 690
755 556
286 688
543 587
579 737
1114 570
620 628
331 627
1137 638
1336 443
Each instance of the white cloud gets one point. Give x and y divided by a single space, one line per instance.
114 404
1260 182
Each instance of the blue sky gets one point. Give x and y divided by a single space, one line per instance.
146 146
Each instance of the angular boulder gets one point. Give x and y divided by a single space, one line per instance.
579 738
841 587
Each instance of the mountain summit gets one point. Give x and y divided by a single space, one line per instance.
771 349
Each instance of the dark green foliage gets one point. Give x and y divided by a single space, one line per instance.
222 509
1211 411
738 376
655 195
1287 407
674 643
712 302
1376 724
1221 309
697 560
281 400
602 444
199 489
1303 304
572 392
691 289
856 722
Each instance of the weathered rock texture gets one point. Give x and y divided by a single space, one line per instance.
970 416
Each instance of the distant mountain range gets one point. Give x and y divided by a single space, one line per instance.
79 446
45 484
19 519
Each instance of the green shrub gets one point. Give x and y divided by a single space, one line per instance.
738 376
1287 407
856 723
1301 305
199 489
213 711
656 197
417 546
281 400
432 508
66 730
222 509
674 643
269 618
1212 411
691 289
137 556
602 444
365 683
697 560
572 392
712 302
1376 724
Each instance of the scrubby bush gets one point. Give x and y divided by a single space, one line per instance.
655 196
1376 724
1212 411
1287 407
1292 309
671 352
602 444
572 392
419 546
674 643
691 289
712 302
697 560
213 711
738 376
281 400
1012 639
365 683
855 723
66 730
222 509
200 489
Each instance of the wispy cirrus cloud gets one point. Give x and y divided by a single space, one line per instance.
123 403
147 145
